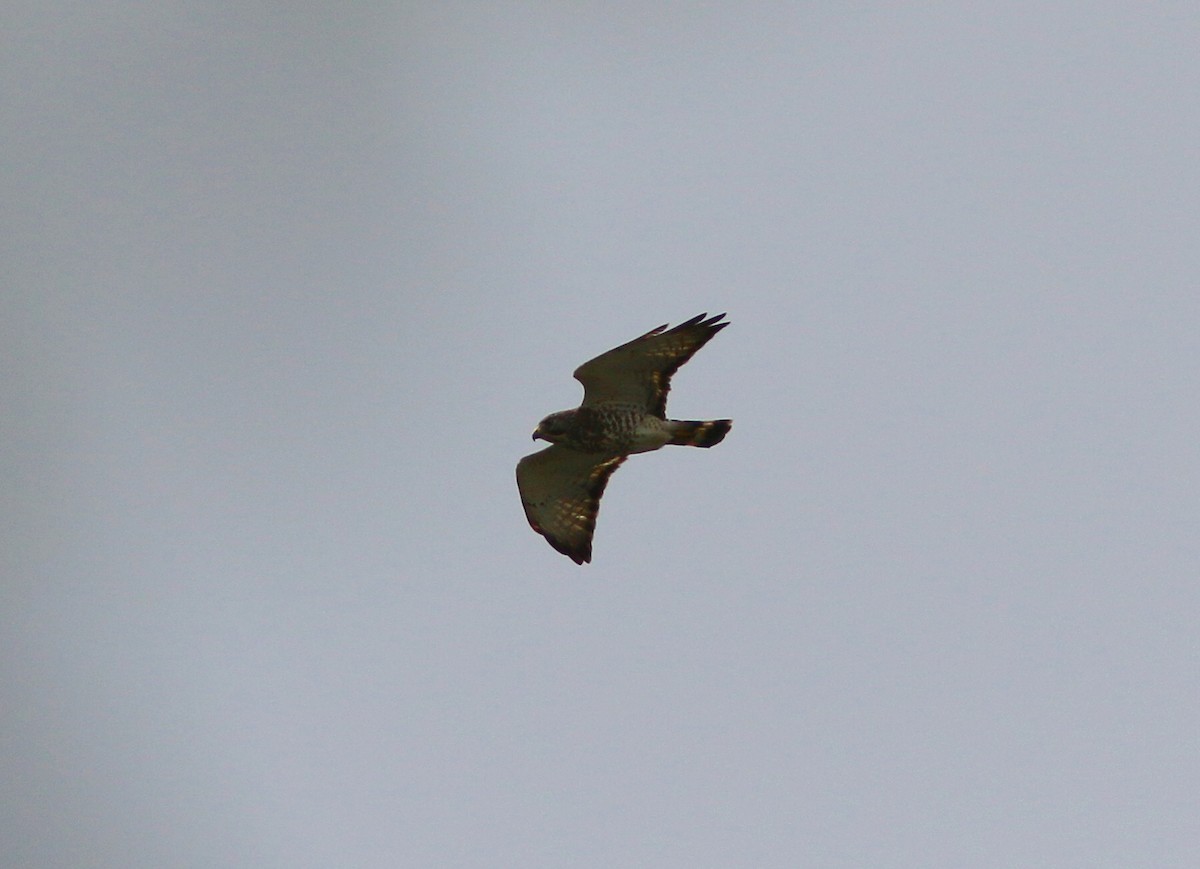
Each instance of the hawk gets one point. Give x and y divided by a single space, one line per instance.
623 412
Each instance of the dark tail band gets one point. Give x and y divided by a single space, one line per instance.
691 433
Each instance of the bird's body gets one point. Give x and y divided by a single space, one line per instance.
623 412
610 430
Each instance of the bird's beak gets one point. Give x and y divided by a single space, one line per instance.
536 436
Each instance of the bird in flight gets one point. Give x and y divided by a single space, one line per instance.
624 411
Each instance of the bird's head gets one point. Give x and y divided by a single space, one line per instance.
555 427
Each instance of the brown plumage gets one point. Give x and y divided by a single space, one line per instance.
623 412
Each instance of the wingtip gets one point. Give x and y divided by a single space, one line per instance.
701 319
581 554
704 320
578 555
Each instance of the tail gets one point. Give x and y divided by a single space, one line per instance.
690 433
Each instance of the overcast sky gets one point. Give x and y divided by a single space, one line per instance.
286 287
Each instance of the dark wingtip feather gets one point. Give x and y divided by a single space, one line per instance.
702 320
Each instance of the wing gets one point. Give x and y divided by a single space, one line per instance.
639 373
560 491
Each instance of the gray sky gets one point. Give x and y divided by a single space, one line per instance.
287 286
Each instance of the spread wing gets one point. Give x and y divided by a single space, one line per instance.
560 491
639 372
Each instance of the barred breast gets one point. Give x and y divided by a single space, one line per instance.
617 430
